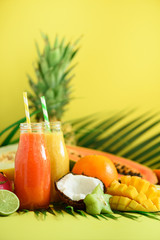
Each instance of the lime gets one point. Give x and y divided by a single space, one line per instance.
9 202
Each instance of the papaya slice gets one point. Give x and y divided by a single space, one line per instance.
124 166
157 172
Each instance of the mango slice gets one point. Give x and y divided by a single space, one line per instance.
134 194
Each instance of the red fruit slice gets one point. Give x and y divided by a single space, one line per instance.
5 184
124 166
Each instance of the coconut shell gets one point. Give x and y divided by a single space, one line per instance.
76 204
79 204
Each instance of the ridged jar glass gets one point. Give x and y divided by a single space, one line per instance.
57 152
32 168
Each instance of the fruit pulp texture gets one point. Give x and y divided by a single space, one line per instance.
32 172
58 157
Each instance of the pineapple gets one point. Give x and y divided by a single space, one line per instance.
53 73
134 194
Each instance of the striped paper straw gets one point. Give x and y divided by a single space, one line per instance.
45 112
26 108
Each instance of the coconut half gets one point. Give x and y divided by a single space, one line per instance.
73 189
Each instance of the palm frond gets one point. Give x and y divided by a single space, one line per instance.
60 208
124 135
10 136
14 127
90 138
121 133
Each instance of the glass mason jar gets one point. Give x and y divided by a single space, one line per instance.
32 168
58 154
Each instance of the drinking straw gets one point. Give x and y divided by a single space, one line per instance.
45 112
26 108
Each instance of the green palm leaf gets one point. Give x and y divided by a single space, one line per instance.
119 133
139 147
120 136
90 139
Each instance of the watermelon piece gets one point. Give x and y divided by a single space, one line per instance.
124 166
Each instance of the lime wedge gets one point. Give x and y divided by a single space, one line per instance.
9 202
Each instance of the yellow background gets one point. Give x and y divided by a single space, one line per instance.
118 67
67 227
119 59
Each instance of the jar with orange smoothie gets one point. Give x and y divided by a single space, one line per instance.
58 154
32 168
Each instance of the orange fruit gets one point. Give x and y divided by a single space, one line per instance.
97 166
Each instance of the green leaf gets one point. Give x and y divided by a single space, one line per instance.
61 46
47 51
136 136
140 146
123 132
44 36
54 57
17 122
38 51
49 94
77 40
91 140
41 86
14 141
155 164
74 53
70 210
102 216
127 215
56 42
65 51
10 136
51 211
33 85
108 215
146 152
60 207
44 65
83 126
82 213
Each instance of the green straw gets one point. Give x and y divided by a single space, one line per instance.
45 112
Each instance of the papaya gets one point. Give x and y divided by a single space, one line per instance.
124 166
157 172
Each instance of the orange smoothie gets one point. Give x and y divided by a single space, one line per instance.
32 171
58 156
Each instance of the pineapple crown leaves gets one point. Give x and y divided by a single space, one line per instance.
53 73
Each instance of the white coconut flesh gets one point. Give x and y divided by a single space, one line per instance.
76 187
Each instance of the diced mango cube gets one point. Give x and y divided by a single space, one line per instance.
133 204
115 182
128 209
143 186
152 192
113 201
140 208
135 181
156 202
121 190
141 197
131 192
123 203
126 179
113 188
150 207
